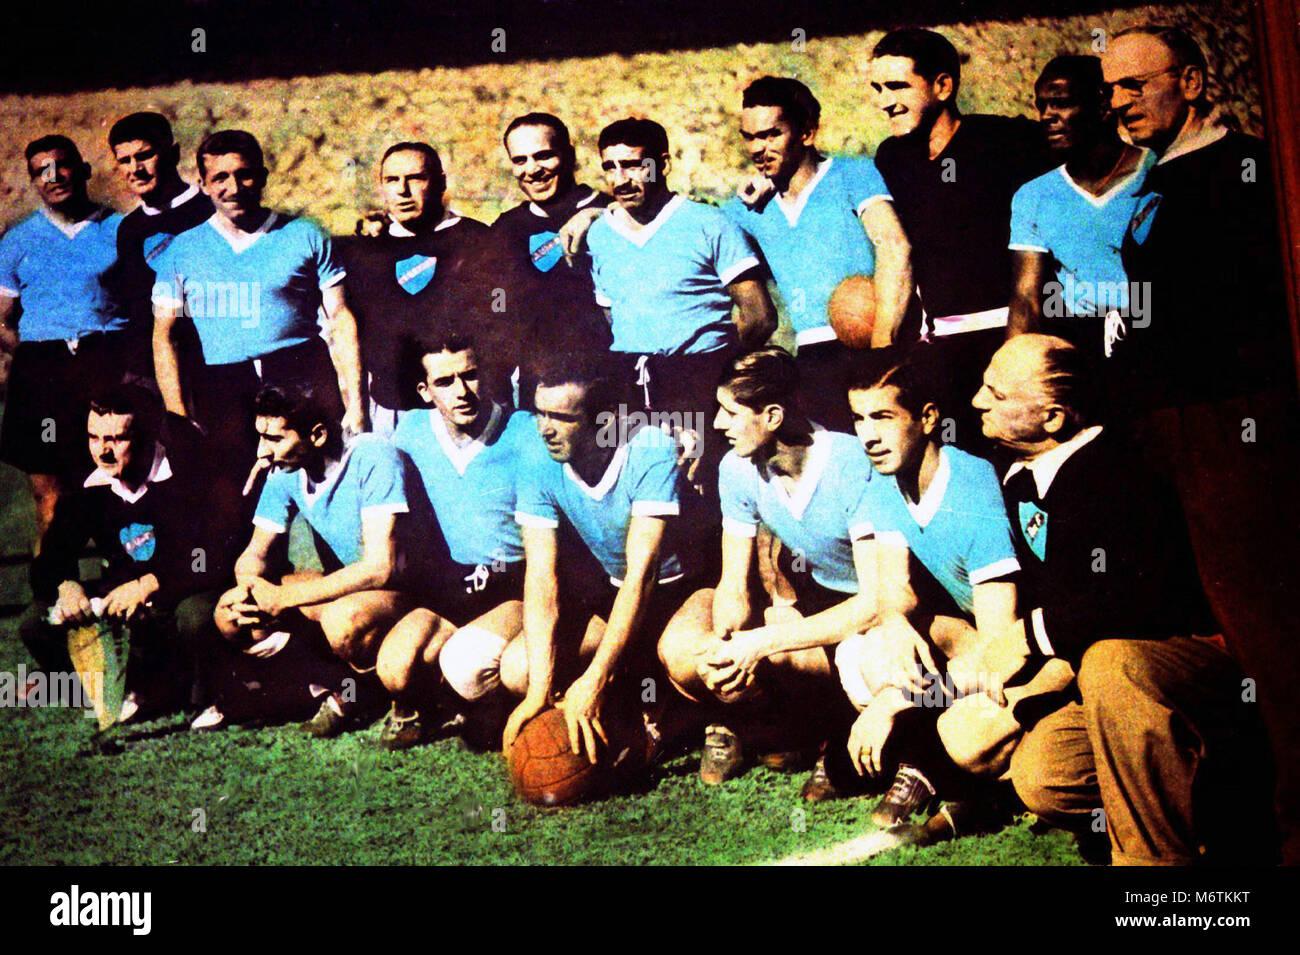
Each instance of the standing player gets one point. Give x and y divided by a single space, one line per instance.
945 561
583 641
250 282
1160 734
770 673
147 156
672 272
396 279
466 446
817 221
550 295
370 523
71 337
952 178
1067 225
1210 372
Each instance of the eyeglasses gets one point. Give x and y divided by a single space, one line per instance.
1136 85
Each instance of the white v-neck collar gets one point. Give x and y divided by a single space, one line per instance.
180 200
1099 202
923 511
814 468
449 218
73 229
792 210
640 237
608 479
244 240
312 494
582 203
460 455
159 470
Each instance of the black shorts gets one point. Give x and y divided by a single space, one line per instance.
641 655
50 387
465 592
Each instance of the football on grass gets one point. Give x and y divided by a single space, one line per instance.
544 771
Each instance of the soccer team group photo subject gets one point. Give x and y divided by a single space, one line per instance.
920 474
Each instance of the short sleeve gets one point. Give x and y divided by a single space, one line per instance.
329 268
733 253
653 461
168 287
535 504
991 548
9 256
598 277
382 485
1025 234
736 480
863 182
275 506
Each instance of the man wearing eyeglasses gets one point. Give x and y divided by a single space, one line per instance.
1208 375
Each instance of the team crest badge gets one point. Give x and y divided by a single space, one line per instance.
415 273
544 250
155 244
138 541
1140 226
1033 524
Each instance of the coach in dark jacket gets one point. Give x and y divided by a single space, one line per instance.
1109 583
147 506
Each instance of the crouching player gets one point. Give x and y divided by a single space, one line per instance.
769 676
945 559
465 447
620 493
144 505
370 522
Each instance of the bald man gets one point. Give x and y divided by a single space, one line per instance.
1163 716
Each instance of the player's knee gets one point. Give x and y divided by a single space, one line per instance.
1109 667
853 664
677 654
394 663
473 662
1032 776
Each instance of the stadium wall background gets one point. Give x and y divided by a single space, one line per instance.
323 133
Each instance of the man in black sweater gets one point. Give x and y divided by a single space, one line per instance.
1211 374
146 506
1109 583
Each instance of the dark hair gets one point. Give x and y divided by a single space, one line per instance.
931 53
152 128
424 149
643 133
797 104
553 123
1068 380
1186 51
593 372
301 407
1083 73
129 398
914 379
765 376
50 143
225 142
448 337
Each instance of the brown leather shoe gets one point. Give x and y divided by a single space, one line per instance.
910 794
722 758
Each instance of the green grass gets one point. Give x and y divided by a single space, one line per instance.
274 796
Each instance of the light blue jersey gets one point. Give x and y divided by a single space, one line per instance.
249 301
471 486
816 241
57 271
370 478
1082 232
820 519
641 480
666 283
958 530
